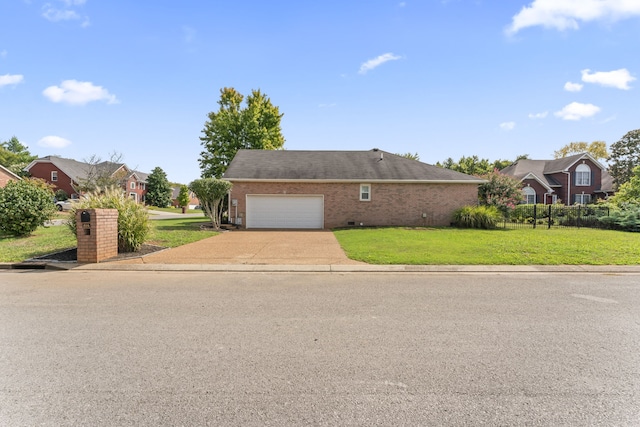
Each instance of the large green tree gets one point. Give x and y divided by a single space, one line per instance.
597 149
625 155
158 188
211 193
15 156
629 192
255 125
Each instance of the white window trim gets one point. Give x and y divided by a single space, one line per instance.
368 192
529 192
582 198
54 176
132 186
582 174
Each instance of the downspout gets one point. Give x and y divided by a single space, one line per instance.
568 202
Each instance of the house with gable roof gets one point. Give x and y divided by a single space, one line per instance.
67 174
577 179
6 175
329 189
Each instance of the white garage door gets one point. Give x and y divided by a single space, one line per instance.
285 211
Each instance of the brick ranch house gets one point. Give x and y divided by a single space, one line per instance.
577 179
328 189
65 174
6 175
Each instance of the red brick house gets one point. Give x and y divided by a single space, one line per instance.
328 189
577 179
66 174
6 175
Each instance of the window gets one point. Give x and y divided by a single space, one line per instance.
582 199
529 195
132 185
365 192
54 176
583 175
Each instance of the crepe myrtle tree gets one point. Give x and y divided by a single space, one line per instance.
501 191
211 192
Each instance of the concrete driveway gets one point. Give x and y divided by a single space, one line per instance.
255 247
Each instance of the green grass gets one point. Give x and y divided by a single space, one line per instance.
491 247
44 240
168 233
174 210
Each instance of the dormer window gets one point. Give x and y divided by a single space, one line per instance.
583 175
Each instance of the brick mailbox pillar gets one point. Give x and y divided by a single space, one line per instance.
97 231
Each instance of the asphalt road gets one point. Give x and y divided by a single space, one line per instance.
150 348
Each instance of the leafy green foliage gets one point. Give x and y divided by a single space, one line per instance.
501 191
481 217
628 192
625 155
473 165
211 193
133 219
183 196
411 156
626 219
233 127
597 150
158 188
24 206
61 195
15 156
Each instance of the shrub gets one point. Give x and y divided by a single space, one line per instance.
483 217
626 219
24 206
133 219
61 195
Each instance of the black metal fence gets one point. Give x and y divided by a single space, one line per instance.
556 215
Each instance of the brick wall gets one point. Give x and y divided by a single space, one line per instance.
390 204
101 242
5 178
43 170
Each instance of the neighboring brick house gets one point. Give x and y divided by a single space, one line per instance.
6 175
66 174
193 200
328 189
577 179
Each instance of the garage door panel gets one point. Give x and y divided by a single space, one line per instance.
290 211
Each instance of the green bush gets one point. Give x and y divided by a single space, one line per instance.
483 217
24 206
133 219
626 219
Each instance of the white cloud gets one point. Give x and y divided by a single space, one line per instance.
11 79
53 142
619 79
65 13
507 125
376 62
78 93
566 14
573 87
535 116
577 111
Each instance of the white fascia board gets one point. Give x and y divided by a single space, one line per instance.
535 177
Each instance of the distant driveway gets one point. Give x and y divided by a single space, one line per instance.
256 247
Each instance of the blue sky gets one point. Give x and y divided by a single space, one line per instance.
443 78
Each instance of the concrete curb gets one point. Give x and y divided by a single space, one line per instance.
333 268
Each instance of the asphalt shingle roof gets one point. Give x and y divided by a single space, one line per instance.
373 165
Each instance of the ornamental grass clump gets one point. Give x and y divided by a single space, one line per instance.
482 217
133 218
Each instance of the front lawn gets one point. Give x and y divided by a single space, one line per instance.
490 247
165 232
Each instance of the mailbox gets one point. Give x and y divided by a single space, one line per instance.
85 216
